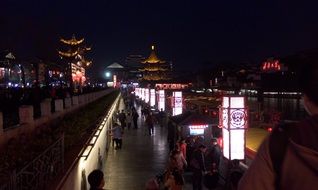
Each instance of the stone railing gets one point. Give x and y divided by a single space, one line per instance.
26 114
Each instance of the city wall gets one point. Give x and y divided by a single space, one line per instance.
28 123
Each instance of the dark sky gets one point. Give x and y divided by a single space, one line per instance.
186 32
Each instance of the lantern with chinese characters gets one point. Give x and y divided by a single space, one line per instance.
152 97
233 121
147 97
176 103
161 100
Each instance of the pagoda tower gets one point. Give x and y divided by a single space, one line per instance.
154 69
74 56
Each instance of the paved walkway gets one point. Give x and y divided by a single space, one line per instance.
140 158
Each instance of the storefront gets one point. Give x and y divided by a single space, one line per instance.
191 124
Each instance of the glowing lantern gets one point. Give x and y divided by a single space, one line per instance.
233 120
177 103
146 95
137 92
161 100
142 94
152 97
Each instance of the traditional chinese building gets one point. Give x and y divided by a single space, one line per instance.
74 56
155 69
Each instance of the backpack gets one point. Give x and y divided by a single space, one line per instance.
278 142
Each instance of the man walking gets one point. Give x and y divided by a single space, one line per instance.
150 123
135 118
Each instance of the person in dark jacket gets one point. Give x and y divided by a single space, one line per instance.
96 180
198 168
216 152
135 118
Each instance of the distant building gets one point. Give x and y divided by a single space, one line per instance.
275 76
116 73
154 69
132 62
74 56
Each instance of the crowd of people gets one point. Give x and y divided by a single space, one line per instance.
191 156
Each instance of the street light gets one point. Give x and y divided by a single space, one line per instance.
107 74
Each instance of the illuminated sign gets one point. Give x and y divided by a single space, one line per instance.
146 95
152 97
271 65
161 100
172 86
233 120
177 103
197 129
142 93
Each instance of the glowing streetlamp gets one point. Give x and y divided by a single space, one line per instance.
107 74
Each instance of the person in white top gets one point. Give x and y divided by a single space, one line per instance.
117 132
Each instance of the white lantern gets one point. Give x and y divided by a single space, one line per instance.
234 122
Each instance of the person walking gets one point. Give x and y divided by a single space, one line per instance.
162 118
216 152
135 118
122 119
183 147
288 157
177 156
129 120
150 123
117 132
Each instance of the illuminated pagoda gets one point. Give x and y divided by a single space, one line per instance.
155 69
74 55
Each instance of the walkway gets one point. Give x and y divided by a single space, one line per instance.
140 158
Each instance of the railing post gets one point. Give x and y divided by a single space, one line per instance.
26 114
59 105
68 103
46 107
75 100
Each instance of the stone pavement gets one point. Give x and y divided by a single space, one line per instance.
140 158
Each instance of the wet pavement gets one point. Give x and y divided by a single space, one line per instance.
141 158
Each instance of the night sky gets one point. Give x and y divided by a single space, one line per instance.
188 33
